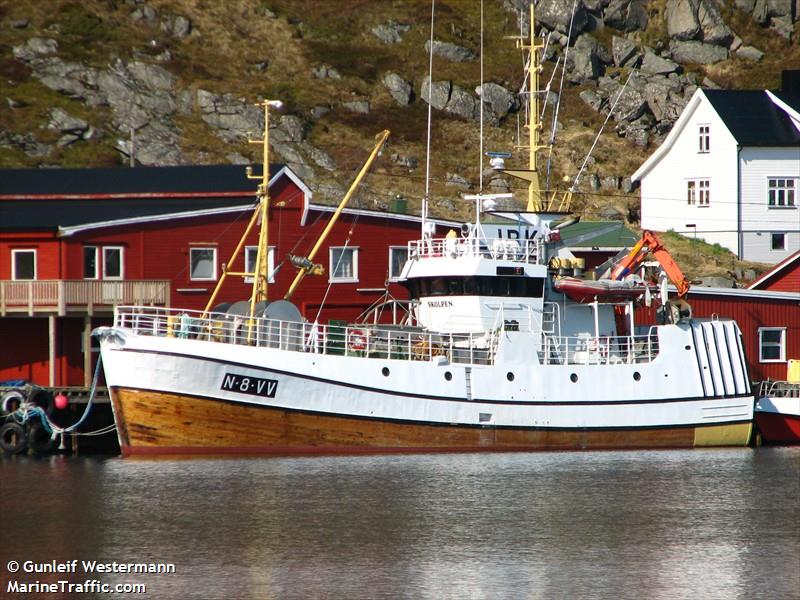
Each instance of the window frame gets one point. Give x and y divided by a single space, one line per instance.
698 192
332 278
773 236
96 263
270 263
17 251
704 138
104 270
781 345
790 187
214 269
392 249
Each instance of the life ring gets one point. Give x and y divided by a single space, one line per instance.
39 440
11 401
357 340
12 438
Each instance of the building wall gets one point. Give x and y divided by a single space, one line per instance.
759 220
664 187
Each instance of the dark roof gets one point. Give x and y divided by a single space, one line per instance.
46 199
120 180
753 118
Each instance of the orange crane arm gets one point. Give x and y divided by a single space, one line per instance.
650 244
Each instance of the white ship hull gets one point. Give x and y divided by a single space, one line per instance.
681 398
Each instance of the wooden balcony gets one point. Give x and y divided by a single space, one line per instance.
64 296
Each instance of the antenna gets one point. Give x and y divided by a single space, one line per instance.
480 102
426 197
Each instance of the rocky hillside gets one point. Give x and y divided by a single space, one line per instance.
96 82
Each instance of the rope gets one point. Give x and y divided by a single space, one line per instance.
29 411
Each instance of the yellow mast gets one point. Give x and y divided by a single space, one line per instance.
260 274
537 201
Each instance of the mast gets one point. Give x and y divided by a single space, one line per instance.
537 199
260 274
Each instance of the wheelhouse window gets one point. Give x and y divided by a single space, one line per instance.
704 138
778 241
479 285
398 255
782 192
90 267
698 192
250 255
23 264
772 344
202 264
343 264
112 262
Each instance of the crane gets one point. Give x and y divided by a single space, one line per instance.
649 244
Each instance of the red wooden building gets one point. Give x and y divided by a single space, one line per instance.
76 243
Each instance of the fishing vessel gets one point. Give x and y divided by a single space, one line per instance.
500 352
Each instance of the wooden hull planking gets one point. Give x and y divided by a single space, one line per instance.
164 423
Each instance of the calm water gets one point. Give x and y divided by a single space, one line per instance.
685 524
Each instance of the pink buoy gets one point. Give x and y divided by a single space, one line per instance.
60 401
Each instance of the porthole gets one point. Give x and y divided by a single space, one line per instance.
448 375
510 376
385 371
637 376
573 378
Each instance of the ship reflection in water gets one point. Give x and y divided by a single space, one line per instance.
650 524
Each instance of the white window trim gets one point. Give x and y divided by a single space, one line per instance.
331 266
703 148
270 263
395 277
96 262
772 236
782 358
14 263
121 263
213 260
796 193
699 191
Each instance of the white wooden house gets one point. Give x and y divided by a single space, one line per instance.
729 173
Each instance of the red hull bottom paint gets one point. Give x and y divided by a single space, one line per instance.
777 428
157 423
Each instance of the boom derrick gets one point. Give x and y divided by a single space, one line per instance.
650 245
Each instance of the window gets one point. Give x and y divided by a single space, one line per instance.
782 192
704 135
23 264
343 264
398 255
772 344
112 262
698 192
778 241
90 270
250 254
203 264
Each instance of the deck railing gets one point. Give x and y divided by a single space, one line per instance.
524 251
62 294
387 342
602 350
778 389
401 343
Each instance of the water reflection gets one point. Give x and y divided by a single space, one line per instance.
683 524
